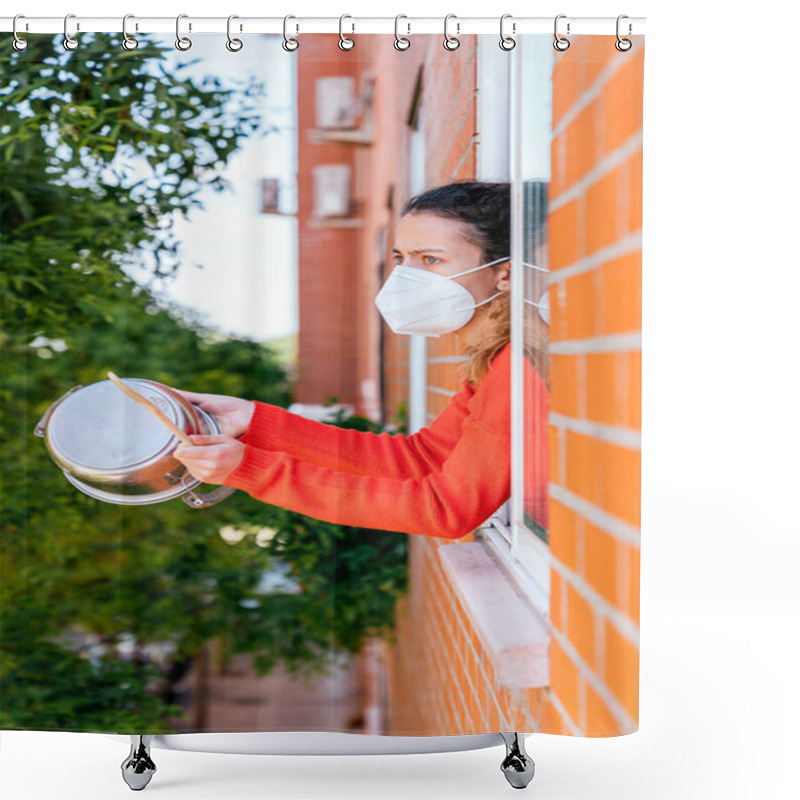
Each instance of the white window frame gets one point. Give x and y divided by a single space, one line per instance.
519 551
417 346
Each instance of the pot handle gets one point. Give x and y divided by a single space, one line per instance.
39 429
206 499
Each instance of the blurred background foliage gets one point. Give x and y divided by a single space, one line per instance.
103 607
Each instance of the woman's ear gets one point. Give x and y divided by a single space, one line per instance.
504 278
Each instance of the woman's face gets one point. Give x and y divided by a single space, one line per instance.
437 244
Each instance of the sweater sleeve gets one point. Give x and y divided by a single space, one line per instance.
359 452
474 481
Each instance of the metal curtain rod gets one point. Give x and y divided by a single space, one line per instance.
275 25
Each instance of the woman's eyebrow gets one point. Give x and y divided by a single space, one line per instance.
422 250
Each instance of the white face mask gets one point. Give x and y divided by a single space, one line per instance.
414 300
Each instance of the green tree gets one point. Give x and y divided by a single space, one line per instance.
100 148
72 127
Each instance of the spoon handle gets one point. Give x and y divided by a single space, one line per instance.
152 408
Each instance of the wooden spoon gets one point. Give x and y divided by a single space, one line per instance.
152 408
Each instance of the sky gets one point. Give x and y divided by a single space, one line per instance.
248 282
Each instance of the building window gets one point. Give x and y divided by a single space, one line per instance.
517 533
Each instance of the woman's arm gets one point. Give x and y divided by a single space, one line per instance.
360 452
474 481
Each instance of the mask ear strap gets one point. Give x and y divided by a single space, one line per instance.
482 266
488 299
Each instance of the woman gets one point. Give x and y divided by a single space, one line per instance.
452 273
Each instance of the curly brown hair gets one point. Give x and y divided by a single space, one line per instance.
485 207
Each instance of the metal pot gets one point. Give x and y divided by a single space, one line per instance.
114 450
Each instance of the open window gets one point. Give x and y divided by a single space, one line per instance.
517 534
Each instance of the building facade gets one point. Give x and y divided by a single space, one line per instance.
375 127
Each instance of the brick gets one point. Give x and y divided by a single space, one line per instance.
622 669
564 678
584 299
554 456
565 87
595 53
634 221
613 388
564 240
634 567
444 375
581 625
605 474
551 721
601 567
558 163
564 384
620 294
599 719
622 106
582 144
556 589
621 471
603 210
563 534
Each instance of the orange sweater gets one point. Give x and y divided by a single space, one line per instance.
444 480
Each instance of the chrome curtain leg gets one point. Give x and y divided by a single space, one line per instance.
517 766
138 768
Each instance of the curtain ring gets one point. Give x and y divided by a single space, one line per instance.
506 42
182 42
400 42
234 45
561 43
128 42
19 43
345 42
70 42
290 45
623 45
450 42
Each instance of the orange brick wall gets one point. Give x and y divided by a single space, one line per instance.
595 304
439 678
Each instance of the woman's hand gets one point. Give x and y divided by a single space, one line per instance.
232 413
212 459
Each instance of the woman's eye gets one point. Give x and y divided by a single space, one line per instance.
431 260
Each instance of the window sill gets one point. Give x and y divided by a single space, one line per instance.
512 633
364 135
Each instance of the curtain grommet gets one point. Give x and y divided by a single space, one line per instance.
128 42
623 45
289 43
401 42
560 43
182 43
234 45
345 42
451 42
70 42
507 42
19 44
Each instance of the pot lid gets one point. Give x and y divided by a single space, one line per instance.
100 427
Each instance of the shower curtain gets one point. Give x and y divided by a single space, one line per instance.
429 531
